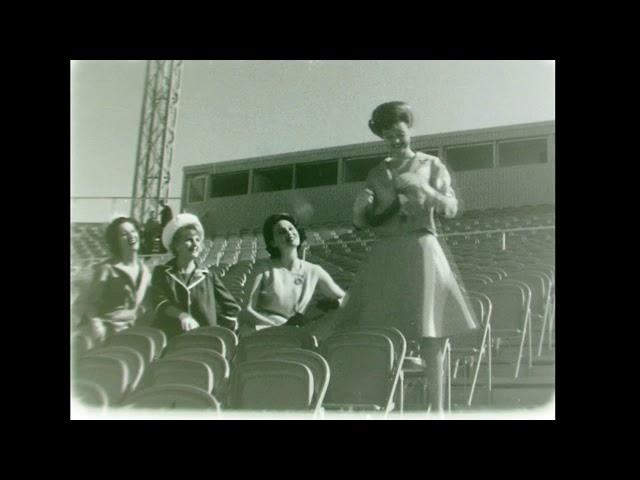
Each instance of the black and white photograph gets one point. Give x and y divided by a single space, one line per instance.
312 240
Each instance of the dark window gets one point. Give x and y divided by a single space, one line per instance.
317 174
357 169
469 157
522 152
273 179
196 189
228 184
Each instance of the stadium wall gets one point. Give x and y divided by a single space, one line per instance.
494 187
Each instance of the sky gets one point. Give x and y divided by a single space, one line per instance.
244 108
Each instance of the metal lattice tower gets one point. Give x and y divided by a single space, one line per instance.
156 137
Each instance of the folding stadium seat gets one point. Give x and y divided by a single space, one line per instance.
197 340
399 351
173 397
228 338
472 281
217 363
109 373
141 343
364 372
254 346
494 272
312 360
178 371
157 336
511 314
510 265
132 359
90 394
470 349
271 385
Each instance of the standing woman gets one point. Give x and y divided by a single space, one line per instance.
185 295
406 282
281 292
116 298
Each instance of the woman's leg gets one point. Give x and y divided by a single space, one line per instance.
432 351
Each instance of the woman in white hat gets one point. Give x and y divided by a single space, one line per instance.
185 295
118 293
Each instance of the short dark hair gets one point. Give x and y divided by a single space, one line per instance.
267 233
388 114
111 234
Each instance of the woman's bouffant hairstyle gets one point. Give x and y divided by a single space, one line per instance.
388 114
111 234
267 233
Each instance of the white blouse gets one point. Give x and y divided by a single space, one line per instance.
283 293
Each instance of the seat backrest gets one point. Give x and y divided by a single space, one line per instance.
109 373
481 305
133 360
214 360
472 283
173 397
168 371
271 385
229 338
361 368
139 342
397 339
158 337
184 340
493 272
254 346
485 279
313 360
90 394
508 302
536 283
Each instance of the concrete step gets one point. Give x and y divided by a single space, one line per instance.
506 393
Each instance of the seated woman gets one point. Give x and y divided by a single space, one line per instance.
185 295
282 291
117 294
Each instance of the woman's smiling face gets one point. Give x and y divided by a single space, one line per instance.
397 137
128 238
285 235
187 243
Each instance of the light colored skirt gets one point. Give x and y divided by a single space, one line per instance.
407 283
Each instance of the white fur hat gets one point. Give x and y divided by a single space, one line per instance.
180 220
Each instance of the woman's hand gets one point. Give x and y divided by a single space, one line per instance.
448 208
363 200
98 330
297 320
187 322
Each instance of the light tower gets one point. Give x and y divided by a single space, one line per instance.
156 137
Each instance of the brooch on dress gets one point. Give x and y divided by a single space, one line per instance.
298 281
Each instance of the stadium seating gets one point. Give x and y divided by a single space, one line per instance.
174 397
269 384
509 276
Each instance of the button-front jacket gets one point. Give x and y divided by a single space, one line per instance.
201 298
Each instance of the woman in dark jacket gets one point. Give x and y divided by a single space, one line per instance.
117 296
187 296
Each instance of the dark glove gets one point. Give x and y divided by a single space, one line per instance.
326 304
298 320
